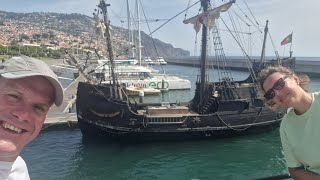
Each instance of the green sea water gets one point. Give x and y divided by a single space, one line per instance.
62 154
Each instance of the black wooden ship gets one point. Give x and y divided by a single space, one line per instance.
219 109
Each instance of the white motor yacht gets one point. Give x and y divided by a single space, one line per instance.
134 75
160 61
118 61
148 60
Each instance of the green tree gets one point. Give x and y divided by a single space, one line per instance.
13 53
3 50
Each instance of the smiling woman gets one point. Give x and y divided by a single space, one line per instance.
28 90
299 130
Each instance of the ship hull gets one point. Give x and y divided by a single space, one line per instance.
94 131
106 117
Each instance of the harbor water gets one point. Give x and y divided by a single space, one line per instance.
64 154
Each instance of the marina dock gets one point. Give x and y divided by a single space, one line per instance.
62 115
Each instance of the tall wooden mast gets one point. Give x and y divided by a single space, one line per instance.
203 60
103 6
263 52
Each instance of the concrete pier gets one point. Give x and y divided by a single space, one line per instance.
62 115
307 65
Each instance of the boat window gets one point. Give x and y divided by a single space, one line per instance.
147 75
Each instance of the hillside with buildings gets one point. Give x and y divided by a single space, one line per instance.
75 32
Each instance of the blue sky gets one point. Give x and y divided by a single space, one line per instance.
285 16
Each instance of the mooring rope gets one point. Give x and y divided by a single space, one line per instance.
57 122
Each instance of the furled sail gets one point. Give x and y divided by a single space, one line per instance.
100 27
208 18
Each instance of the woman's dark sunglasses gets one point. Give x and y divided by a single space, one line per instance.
278 85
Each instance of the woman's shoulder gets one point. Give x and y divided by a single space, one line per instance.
288 118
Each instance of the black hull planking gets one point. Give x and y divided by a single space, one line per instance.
106 117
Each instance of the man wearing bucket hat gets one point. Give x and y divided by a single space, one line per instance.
28 88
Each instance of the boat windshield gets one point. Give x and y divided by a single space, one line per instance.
145 75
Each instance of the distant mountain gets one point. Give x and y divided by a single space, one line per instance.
74 31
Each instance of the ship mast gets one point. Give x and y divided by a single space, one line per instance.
139 31
129 28
103 6
263 52
203 60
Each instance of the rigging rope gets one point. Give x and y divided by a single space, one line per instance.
240 41
153 43
185 16
274 48
195 45
238 129
221 62
251 12
234 12
254 24
117 15
240 47
173 18
196 40
235 29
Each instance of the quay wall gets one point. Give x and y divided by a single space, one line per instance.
303 65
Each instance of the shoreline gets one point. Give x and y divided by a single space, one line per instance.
49 61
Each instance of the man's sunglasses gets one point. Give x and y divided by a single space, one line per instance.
278 85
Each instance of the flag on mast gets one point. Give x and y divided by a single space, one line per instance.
287 40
